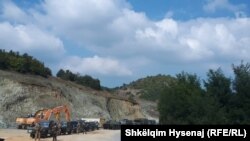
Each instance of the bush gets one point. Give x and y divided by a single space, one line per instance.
22 63
82 80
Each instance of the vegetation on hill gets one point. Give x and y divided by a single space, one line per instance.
151 86
182 99
26 64
13 61
221 101
77 78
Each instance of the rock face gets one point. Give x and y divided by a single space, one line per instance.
147 108
24 94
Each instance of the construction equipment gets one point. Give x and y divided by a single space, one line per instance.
24 122
57 110
43 115
21 122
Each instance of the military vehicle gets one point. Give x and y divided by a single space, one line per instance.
91 126
46 129
144 121
112 124
66 127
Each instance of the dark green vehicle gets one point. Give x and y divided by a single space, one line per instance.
74 126
66 127
126 122
144 121
46 129
91 126
112 124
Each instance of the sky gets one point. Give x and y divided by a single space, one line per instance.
119 41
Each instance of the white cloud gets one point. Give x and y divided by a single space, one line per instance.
95 65
159 32
138 44
129 34
13 13
169 14
214 5
82 21
30 39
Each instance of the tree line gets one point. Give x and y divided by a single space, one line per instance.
85 80
24 63
221 100
151 86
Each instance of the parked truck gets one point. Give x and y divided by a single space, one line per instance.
42 115
100 121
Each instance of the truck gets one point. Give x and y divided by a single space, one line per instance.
112 124
42 115
24 122
46 123
100 121
46 129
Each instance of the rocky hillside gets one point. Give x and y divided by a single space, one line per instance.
148 88
24 94
146 91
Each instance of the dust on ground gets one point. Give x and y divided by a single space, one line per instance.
97 135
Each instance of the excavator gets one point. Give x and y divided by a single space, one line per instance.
56 111
41 115
24 122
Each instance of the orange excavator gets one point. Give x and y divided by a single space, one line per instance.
44 114
57 111
24 122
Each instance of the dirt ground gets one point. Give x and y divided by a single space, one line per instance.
98 135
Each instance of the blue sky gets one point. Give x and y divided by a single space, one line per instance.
119 41
186 9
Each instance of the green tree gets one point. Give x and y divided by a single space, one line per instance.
185 102
242 80
22 63
60 73
241 85
180 103
48 71
218 86
3 60
77 78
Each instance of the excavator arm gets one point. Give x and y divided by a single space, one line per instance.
57 111
44 114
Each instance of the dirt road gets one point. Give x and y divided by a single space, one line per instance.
98 135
